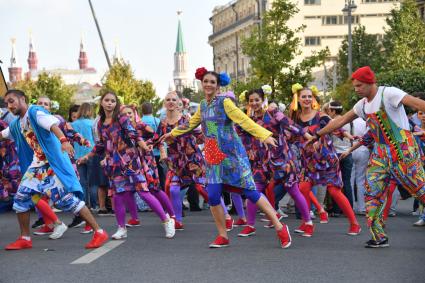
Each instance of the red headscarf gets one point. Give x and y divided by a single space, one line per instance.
364 75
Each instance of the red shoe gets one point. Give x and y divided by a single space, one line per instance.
300 229
19 244
219 242
240 222
98 240
247 231
308 230
87 229
324 217
178 225
133 223
284 237
44 230
355 229
269 225
279 216
229 224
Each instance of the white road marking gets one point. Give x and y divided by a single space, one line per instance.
97 253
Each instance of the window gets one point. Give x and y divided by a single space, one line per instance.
339 20
311 2
378 1
312 41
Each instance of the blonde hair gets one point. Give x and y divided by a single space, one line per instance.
85 111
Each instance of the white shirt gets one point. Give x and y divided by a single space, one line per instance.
360 129
44 120
342 145
392 98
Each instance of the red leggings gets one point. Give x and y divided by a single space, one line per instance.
337 196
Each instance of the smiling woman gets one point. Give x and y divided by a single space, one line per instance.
227 164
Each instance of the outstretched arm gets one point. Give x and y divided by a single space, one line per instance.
193 124
413 102
338 123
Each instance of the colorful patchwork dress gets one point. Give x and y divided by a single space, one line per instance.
319 166
10 173
226 160
118 140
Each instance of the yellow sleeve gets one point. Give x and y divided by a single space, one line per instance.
237 116
193 123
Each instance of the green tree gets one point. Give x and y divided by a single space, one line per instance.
366 51
273 46
193 96
404 41
121 80
345 94
49 85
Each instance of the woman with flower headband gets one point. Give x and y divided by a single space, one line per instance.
226 161
149 167
273 166
119 140
320 164
184 158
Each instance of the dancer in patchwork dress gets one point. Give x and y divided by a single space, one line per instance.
226 161
320 164
184 159
273 166
395 154
149 166
119 140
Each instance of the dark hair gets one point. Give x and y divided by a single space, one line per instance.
116 112
72 109
419 94
215 74
18 93
336 106
258 91
146 108
85 111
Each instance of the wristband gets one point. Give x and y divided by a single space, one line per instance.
63 140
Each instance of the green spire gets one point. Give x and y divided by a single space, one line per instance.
179 45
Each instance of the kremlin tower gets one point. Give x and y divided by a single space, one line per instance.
180 75
15 71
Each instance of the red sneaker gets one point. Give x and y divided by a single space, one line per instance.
247 231
355 229
219 242
240 222
133 223
178 225
284 237
269 225
19 244
300 229
229 224
87 229
324 217
308 230
44 230
98 240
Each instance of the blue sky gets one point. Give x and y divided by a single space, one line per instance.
145 31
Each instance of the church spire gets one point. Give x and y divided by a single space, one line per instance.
15 71
32 56
179 44
83 60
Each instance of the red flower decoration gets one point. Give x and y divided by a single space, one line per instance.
213 154
200 72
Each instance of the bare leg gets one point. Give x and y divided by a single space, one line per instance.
270 212
101 192
88 217
218 215
24 223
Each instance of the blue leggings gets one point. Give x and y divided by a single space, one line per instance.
215 190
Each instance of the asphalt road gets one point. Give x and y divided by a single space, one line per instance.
146 256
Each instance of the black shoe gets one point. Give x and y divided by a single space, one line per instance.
377 244
111 212
37 224
77 222
194 208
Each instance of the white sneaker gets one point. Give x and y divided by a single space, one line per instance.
120 234
169 228
419 223
283 214
58 231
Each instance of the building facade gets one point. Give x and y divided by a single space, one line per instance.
326 26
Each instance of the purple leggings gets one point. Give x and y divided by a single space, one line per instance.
176 200
165 201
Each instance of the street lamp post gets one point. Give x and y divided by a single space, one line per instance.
349 7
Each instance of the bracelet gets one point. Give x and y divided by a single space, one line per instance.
63 140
